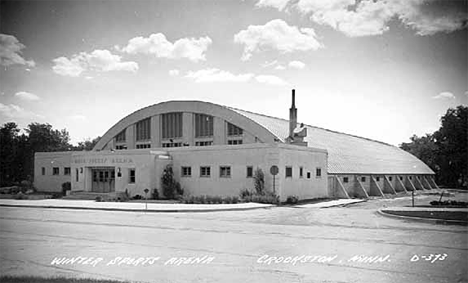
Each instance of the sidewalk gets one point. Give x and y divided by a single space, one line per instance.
325 204
128 206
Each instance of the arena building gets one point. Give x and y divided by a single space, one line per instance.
214 150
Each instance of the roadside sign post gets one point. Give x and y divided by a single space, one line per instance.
274 171
146 198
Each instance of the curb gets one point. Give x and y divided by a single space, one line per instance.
425 220
334 205
135 210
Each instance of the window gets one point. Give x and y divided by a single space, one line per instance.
419 178
171 144
55 171
345 179
301 172
377 179
77 175
143 145
308 175
203 125
67 171
401 178
249 171
120 147
363 179
186 171
233 130
318 172
225 171
205 171
43 170
234 142
171 125
203 143
120 137
411 178
390 178
288 172
132 176
143 130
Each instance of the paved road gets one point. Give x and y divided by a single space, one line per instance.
286 244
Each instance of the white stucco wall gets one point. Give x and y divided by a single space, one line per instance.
49 160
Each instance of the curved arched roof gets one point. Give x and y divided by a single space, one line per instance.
347 154
212 109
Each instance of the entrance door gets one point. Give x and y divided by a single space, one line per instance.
103 180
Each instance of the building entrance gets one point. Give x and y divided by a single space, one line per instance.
103 180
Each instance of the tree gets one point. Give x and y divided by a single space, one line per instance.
259 181
424 148
445 151
87 144
43 138
170 187
17 150
9 139
451 140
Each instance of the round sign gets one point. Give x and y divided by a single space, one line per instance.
274 170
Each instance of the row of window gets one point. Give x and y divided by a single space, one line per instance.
205 171
390 178
225 171
171 128
178 144
56 171
289 172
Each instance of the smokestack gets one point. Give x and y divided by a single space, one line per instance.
292 115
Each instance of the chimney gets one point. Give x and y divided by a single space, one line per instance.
292 115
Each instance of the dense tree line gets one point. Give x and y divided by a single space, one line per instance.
445 150
17 149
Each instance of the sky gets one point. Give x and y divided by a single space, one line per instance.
384 70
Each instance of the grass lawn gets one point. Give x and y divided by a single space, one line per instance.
33 279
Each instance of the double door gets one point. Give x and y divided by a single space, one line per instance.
103 180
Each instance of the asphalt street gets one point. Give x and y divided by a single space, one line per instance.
280 244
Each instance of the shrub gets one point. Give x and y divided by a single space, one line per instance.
137 197
292 199
245 193
98 199
56 195
259 181
170 187
20 195
155 194
265 197
66 187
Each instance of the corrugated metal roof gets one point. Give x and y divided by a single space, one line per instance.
348 153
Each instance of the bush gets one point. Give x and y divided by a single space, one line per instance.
155 194
245 193
170 187
266 197
20 195
292 200
449 203
259 181
98 199
56 195
209 200
66 187
137 197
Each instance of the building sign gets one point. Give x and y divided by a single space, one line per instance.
103 160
